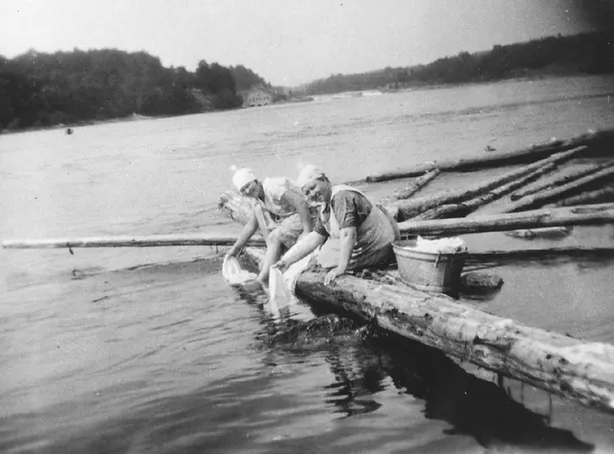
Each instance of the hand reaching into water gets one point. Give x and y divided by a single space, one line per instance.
281 265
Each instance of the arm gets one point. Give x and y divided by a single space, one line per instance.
347 241
247 232
301 249
300 205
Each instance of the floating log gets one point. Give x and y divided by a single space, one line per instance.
604 195
541 198
464 208
449 210
196 239
544 232
550 217
502 190
415 186
410 208
475 282
522 156
572 368
543 185
543 253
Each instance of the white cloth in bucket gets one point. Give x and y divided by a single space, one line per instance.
233 273
440 246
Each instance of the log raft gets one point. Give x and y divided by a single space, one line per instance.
572 368
598 214
548 195
413 207
597 141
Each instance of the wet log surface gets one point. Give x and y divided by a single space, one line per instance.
411 189
572 368
543 197
465 208
603 195
558 181
548 217
413 207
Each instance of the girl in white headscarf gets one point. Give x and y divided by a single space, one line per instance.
280 211
353 232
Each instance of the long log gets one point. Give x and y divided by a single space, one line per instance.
579 215
564 179
464 208
411 189
196 239
521 156
604 195
449 210
572 368
410 208
542 198
533 253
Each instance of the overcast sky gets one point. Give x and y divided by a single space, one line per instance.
287 42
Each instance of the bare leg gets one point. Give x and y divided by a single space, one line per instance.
273 254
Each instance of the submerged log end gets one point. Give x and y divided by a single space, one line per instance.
480 282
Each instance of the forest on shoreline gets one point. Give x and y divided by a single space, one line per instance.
66 88
586 53
80 87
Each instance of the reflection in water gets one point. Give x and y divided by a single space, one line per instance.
361 359
472 406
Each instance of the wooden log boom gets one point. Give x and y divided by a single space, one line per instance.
564 179
410 208
521 156
542 198
572 368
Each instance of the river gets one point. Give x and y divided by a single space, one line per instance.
147 350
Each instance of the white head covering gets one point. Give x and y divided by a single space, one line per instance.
308 174
242 177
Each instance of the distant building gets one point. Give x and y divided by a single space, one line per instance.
257 97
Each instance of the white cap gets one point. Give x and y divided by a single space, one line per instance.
242 177
308 174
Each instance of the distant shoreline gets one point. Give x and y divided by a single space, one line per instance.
136 117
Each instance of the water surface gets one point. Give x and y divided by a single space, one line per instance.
147 350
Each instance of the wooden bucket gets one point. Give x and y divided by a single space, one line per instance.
428 271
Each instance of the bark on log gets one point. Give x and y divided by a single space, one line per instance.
569 367
543 232
604 195
195 239
579 215
410 208
500 191
522 156
540 186
450 210
475 282
542 198
516 254
465 208
411 189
